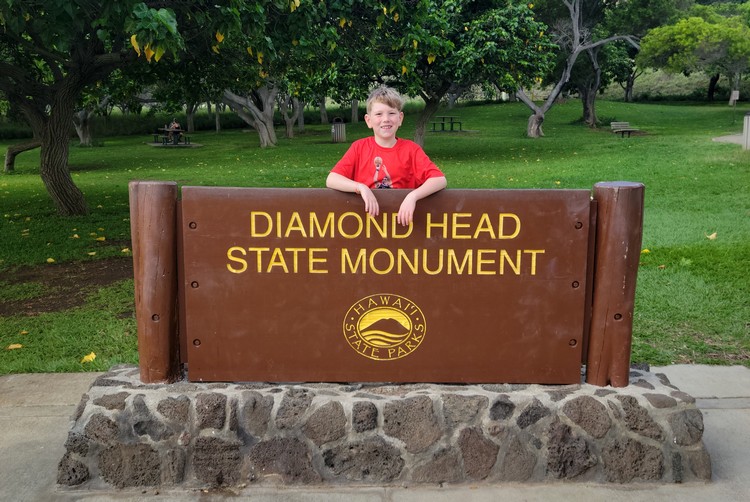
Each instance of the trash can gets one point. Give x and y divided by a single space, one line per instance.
338 130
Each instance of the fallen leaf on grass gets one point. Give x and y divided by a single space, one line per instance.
645 251
50 260
711 237
14 346
88 358
24 332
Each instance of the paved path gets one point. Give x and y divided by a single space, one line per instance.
32 437
732 138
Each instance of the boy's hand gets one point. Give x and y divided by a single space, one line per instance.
406 211
371 203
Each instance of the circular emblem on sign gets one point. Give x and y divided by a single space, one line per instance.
384 327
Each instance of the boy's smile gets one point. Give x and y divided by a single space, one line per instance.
384 121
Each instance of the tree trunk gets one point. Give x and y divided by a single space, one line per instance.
712 86
14 150
355 111
301 117
217 116
285 102
629 85
534 126
51 124
190 119
257 111
590 87
82 123
588 100
54 169
323 111
420 128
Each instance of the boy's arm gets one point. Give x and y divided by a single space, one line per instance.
344 184
409 204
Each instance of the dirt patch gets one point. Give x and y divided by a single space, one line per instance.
65 285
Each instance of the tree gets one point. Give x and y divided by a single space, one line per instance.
426 48
636 17
51 51
721 45
574 35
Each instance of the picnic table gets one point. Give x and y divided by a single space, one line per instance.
446 120
172 136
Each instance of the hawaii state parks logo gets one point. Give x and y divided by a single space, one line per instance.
384 327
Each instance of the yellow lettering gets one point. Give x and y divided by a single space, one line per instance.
295 262
277 260
466 263
295 225
533 253
443 225
501 225
259 251
395 226
241 261
440 263
381 228
315 225
505 257
254 232
457 226
389 260
313 260
403 258
485 225
353 267
360 225
481 261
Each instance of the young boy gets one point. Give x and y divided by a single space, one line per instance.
385 161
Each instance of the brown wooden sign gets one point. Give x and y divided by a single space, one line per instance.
302 285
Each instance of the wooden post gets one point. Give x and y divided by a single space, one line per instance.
619 231
153 231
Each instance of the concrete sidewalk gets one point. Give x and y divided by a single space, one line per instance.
32 436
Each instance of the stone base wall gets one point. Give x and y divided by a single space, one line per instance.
125 433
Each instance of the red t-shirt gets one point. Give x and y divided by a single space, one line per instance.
403 166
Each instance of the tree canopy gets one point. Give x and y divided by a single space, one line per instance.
712 43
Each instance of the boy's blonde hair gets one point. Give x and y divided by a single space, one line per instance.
385 95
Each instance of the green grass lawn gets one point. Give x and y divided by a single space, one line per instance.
693 296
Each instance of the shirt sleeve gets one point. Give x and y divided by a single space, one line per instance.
347 164
424 167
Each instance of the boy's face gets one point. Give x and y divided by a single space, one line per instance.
384 121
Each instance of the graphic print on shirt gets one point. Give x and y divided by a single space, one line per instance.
385 182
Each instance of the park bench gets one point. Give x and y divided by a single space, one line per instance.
622 128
